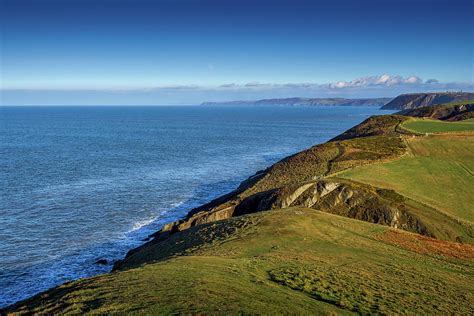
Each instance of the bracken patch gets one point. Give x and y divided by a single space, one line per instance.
426 245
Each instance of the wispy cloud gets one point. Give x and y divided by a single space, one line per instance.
384 80
228 85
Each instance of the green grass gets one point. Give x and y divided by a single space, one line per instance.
436 126
292 261
439 173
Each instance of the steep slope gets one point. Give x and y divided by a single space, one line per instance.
292 261
416 100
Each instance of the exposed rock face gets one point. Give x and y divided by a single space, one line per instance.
341 197
308 102
336 196
417 100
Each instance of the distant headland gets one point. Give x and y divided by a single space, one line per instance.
308 102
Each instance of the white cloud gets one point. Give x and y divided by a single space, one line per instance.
381 80
413 79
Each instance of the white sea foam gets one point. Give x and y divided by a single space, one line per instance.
143 223
153 219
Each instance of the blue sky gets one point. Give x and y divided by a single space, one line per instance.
186 52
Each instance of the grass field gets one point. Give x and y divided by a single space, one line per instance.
436 126
292 261
439 173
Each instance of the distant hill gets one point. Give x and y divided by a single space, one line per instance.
308 102
417 100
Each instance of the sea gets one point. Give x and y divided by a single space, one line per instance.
84 183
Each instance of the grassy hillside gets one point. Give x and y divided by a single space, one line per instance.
439 172
296 261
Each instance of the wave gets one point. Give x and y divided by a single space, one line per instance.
137 225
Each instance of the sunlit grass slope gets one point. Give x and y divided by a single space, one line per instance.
437 126
439 173
292 261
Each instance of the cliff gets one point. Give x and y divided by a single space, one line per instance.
416 100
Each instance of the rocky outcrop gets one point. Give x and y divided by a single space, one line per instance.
336 196
417 100
341 197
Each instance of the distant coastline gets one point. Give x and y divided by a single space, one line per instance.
402 102
308 102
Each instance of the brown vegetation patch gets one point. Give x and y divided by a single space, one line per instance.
426 245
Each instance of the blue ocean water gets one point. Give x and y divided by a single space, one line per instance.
83 183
